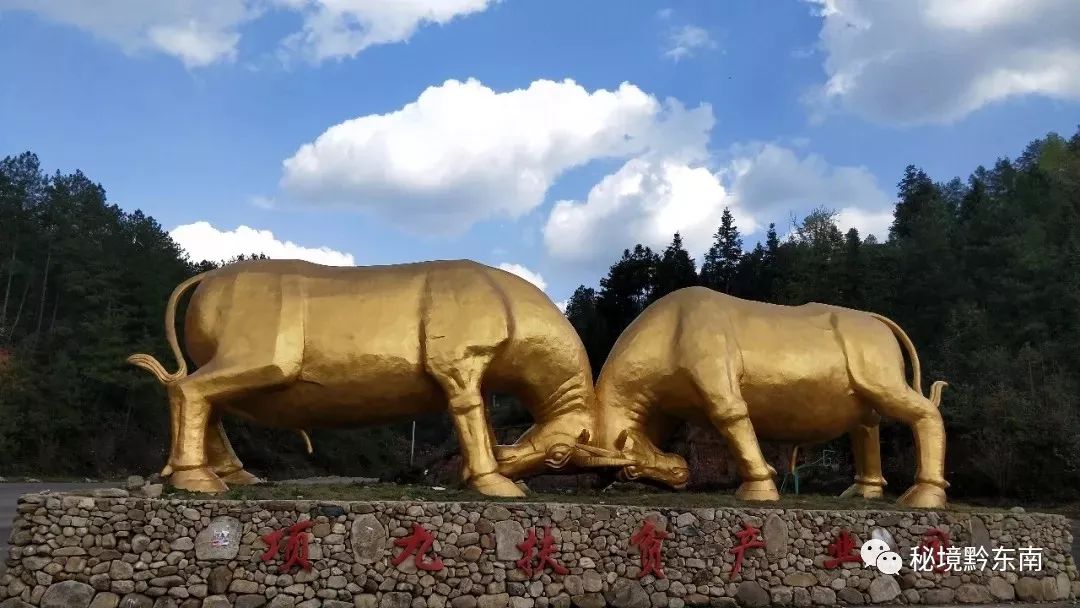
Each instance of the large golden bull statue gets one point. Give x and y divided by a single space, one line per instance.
799 374
297 345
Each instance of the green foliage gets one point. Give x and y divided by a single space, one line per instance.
674 270
720 268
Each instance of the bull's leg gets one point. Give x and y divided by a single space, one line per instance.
193 468
461 381
866 446
925 420
727 411
188 465
733 422
174 428
465 323
223 460
460 374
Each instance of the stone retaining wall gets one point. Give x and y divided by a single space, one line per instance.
113 550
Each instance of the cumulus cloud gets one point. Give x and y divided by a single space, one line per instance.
685 41
463 152
525 273
935 61
202 241
773 179
648 199
867 222
342 28
203 32
197 32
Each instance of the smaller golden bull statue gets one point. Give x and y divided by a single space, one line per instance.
296 345
800 374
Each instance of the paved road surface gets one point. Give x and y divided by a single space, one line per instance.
9 496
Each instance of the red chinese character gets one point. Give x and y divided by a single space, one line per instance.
935 542
543 559
746 541
648 540
842 551
296 550
417 544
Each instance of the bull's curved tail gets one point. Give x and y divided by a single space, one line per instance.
916 369
148 362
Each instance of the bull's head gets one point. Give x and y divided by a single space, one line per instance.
637 457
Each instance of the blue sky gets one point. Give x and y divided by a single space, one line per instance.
545 136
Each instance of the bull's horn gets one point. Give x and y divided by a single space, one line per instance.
592 456
595 450
592 462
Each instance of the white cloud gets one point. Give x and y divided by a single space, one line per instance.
561 305
525 273
197 32
649 199
462 153
935 61
774 179
646 201
342 28
684 41
875 222
203 32
204 242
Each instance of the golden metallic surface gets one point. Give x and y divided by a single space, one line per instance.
799 374
298 345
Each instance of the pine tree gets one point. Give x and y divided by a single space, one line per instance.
720 267
581 310
852 274
674 270
922 244
627 289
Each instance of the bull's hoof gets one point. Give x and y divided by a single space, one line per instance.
240 478
493 484
760 490
201 479
862 490
923 496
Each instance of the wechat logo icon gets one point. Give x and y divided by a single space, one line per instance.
875 553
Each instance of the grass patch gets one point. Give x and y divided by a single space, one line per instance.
618 494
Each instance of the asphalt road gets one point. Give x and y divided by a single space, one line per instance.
9 497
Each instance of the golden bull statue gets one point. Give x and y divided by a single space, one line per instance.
800 374
297 345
